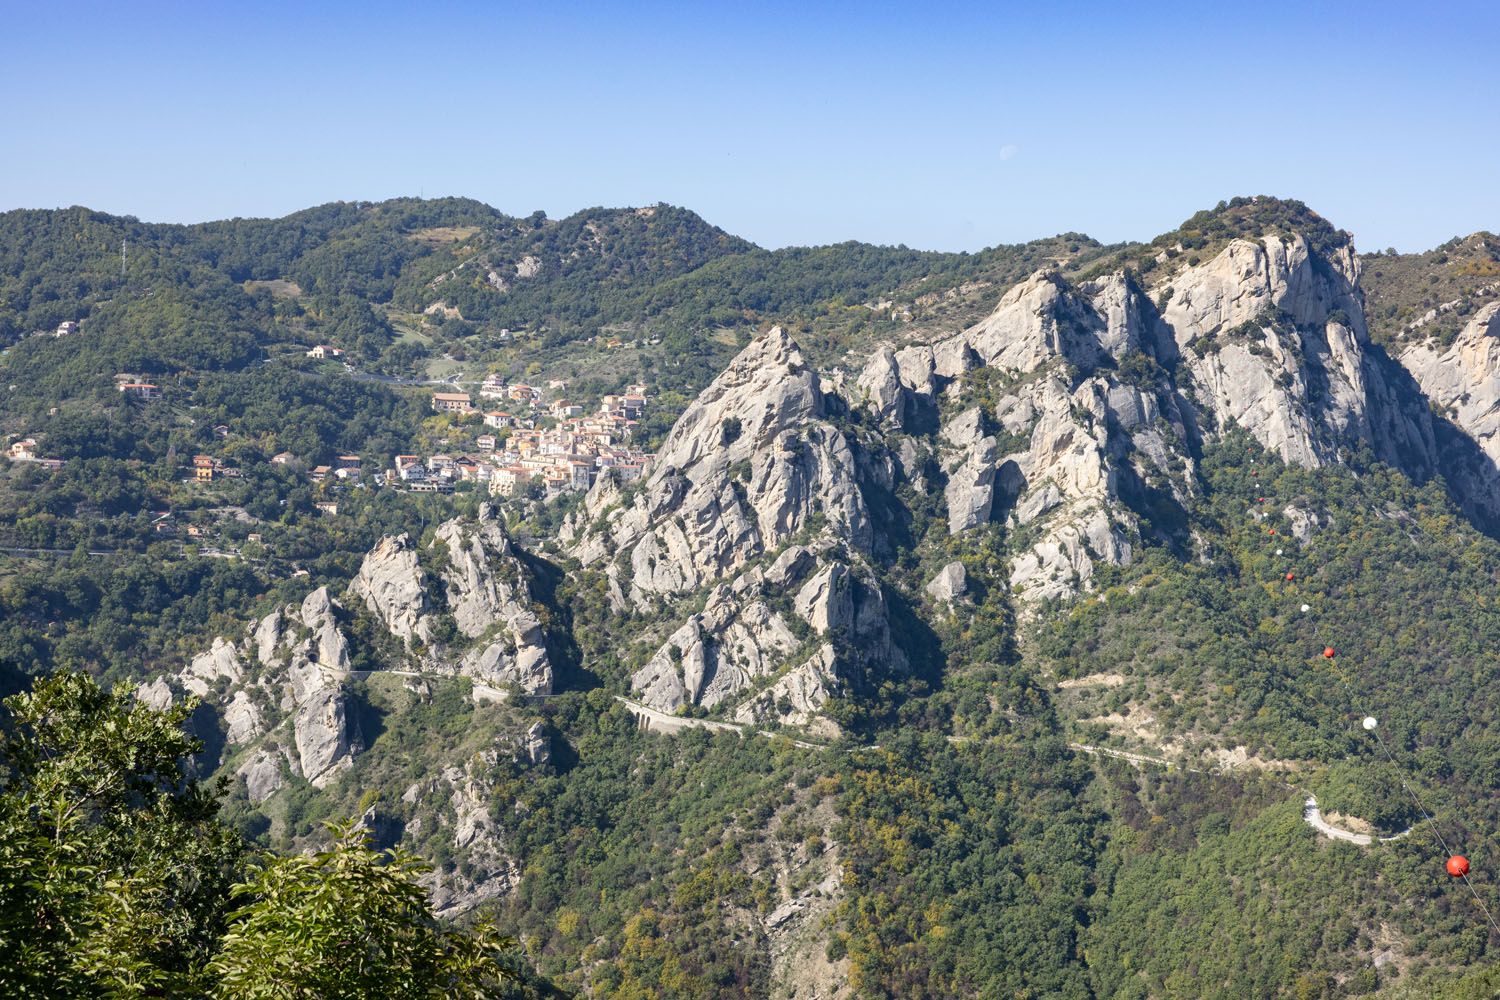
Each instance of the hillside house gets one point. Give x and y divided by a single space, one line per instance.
283 458
493 387
629 472
203 468
499 419
141 390
324 352
452 402
66 328
580 474
485 442
507 479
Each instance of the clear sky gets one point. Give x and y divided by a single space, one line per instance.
938 125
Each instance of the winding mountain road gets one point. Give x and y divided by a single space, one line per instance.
1313 816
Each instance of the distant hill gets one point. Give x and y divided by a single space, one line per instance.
1431 294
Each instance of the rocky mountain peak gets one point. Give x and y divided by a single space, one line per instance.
755 490
750 464
1097 394
766 390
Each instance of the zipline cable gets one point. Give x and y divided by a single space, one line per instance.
1416 799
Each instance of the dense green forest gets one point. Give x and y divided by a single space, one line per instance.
219 296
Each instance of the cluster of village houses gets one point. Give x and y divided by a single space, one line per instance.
568 455
518 447
568 452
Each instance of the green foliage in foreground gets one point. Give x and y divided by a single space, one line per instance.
113 871
118 880
349 922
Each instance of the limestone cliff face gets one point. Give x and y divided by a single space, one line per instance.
1463 378
1462 381
481 585
752 462
282 691
1098 394
1063 430
1274 338
754 493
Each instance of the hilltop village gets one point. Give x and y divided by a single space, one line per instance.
556 447
525 440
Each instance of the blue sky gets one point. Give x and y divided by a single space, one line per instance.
941 126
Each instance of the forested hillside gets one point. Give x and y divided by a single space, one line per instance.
994 624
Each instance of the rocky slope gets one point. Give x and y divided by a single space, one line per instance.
756 504
1097 396
479 588
1462 382
286 701
1073 414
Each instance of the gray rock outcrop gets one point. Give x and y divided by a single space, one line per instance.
750 464
752 490
949 584
1462 381
282 691
391 584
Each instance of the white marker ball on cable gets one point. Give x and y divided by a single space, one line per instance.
1370 722
1278 552
1306 608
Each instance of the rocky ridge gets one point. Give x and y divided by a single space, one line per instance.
756 502
285 701
1098 394
1072 414
1462 381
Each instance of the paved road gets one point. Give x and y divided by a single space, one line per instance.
1314 817
661 722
